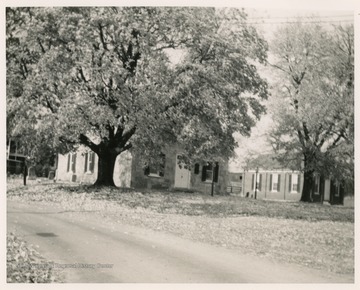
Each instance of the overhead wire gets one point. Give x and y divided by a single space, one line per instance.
315 19
286 17
289 22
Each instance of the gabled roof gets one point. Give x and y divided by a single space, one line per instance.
267 162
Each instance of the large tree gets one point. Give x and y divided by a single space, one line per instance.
112 79
315 110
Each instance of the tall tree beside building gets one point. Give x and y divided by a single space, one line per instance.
102 77
314 112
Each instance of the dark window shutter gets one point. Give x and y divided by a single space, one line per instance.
73 168
279 178
290 177
270 187
252 181
92 164
75 162
322 183
332 188
147 170
342 190
203 176
299 183
197 168
161 171
162 165
68 163
314 183
86 162
260 182
216 173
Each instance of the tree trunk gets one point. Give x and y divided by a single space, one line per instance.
106 166
308 186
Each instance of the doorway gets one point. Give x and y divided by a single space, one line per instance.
182 175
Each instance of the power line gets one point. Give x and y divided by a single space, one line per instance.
289 22
284 17
293 19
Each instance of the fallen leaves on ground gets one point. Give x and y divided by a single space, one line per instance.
26 265
311 235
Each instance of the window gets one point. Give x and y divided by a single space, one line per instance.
13 146
317 184
71 166
337 188
89 162
294 183
156 170
275 182
210 173
258 181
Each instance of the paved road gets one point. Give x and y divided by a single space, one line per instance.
89 242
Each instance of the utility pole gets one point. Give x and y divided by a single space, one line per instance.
25 171
212 180
256 183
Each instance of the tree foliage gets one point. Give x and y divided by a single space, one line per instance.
102 77
315 109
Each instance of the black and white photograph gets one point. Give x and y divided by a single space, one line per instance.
175 142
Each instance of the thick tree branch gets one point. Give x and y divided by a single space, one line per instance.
25 67
107 100
301 138
81 71
87 142
306 131
41 45
49 105
111 130
126 147
102 37
318 133
172 44
298 79
278 67
23 70
127 135
336 140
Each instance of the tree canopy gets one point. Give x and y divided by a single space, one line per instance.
315 91
102 77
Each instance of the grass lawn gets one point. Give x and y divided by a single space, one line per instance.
311 235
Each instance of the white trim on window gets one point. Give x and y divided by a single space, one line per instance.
274 182
158 171
209 173
257 181
71 160
89 163
294 183
154 175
